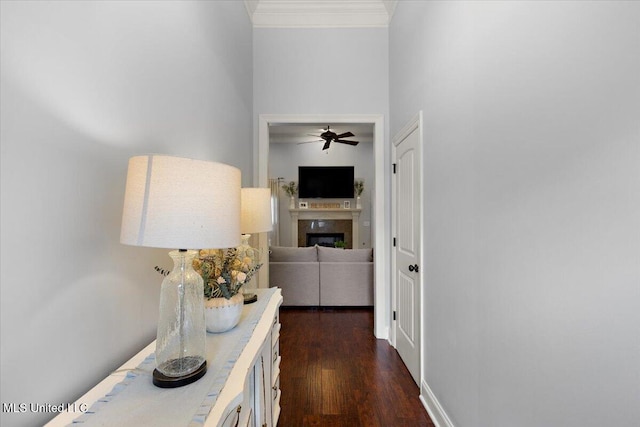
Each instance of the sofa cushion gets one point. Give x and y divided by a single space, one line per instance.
299 281
289 254
346 284
326 254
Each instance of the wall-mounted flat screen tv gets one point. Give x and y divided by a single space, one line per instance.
326 182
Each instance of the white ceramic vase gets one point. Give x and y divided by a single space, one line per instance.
292 203
221 314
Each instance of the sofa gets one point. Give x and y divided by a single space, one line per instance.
322 276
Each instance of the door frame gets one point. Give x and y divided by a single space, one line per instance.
380 196
413 124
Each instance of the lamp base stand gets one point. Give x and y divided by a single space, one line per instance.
250 298
163 381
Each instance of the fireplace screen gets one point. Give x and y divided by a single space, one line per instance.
324 239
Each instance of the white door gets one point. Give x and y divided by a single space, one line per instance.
407 277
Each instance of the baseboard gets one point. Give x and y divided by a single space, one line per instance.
433 407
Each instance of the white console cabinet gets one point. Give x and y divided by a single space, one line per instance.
241 386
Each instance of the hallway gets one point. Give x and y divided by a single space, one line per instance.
335 373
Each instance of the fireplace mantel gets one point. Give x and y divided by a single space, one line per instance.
337 213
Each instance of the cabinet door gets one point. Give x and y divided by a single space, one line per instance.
262 389
232 419
267 380
275 372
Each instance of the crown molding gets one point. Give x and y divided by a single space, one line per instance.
390 5
320 14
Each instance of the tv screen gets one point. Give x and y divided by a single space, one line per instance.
327 182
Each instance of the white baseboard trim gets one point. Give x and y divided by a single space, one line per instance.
433 407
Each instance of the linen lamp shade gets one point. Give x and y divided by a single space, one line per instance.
255 210
174 202
255 217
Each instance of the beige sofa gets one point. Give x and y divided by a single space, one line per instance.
321 276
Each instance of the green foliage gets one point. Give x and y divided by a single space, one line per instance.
291 188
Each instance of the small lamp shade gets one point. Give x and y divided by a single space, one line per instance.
255 211
174 202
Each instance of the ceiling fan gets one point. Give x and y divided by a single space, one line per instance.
328 136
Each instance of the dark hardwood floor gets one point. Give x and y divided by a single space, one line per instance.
334 372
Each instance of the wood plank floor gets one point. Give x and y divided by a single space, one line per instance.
334 372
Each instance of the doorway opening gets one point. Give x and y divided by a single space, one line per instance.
380 218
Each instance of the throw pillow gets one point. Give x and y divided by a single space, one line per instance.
289 254
326 254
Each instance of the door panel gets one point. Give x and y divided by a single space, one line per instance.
406 290
406 199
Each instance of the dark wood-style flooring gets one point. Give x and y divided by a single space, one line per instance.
334 372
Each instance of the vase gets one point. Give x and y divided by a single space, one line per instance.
358 203
180 346
292 203
221 314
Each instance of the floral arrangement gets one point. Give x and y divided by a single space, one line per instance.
291 188
358 186
224 271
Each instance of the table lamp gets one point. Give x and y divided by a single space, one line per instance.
174 202
255 217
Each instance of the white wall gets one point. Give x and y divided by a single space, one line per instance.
332 72
284 160
532 205
86 85
320 71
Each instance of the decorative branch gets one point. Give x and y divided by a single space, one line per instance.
291 188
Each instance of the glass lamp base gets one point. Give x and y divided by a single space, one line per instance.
250 298
163 381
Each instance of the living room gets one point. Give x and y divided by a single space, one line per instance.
531 183
295 146
324 211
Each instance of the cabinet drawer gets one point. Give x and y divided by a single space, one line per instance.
275 372
276 404
275 351
276 387
275 333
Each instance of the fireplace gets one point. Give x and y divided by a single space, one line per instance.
326 221
330 231
324 239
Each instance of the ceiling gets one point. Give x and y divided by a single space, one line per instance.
320 13
297 133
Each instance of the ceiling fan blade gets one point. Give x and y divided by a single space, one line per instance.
326 145
309 142
344 135
342 141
